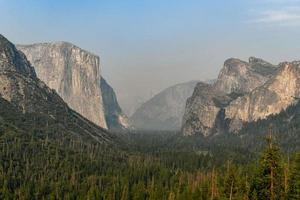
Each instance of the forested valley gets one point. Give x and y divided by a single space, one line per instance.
49 164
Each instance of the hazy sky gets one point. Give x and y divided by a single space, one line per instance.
148 45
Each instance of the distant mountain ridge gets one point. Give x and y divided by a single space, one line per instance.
165 110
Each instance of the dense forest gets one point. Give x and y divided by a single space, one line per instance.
49 164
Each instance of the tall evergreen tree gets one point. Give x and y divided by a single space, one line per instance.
268 182
294 183
231 182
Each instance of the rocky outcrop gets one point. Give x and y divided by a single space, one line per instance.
278 93
115 118
201 110
20 88
165 110
205 110
12 60
239 76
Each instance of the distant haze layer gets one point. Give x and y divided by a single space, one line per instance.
147 46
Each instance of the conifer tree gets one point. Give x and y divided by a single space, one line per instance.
230 183
268 182
294 183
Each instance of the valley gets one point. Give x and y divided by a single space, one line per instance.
63 134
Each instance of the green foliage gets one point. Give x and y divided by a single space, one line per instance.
268 181
294 183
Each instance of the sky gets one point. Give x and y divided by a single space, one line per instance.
146 46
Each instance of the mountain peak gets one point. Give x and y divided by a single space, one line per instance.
240 76
13 60
233 62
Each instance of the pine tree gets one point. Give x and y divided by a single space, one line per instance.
294 183
268 182
230 182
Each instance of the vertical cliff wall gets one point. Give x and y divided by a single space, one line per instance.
72 72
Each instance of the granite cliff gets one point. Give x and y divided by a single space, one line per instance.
75 74
206 110
279 92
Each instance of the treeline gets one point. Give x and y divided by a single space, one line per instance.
53 165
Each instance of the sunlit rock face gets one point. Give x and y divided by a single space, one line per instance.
72 72
165 110
20 86
23 91
17 78
206 110
279 92
202 109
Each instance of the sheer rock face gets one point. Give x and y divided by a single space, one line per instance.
281 91
201 111
165 110
73 73
20 88
205 110
114 115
